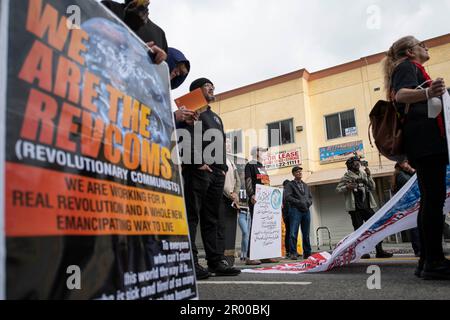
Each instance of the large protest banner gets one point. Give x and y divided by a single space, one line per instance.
265 238
397 215
93 203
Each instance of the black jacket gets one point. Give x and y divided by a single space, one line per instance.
296 198
207 120
401 179
147 32
421 135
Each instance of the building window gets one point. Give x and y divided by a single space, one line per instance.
280 133
235 139
341 124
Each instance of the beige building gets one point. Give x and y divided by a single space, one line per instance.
321 117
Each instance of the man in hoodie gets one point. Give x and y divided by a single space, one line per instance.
357 187
135 15
204 169
179 67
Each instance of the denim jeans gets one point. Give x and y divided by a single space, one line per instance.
299 219
244 225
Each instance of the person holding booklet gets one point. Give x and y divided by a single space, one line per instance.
204 180
418 100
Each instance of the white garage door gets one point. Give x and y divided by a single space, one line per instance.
332 213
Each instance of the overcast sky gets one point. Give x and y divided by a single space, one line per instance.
239 42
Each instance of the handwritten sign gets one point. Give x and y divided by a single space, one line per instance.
265 239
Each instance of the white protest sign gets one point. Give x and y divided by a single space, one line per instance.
265 239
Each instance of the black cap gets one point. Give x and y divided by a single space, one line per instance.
199 83
296 168
350 161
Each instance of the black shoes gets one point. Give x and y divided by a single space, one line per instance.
438 270
383 254
222 268
306 256
365 256
201 273
419 269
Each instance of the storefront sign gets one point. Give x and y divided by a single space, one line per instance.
340 152
283 159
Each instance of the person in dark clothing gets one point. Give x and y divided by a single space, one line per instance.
357 187
204 179
425 144
299 198
285 214
179 67
404 172
255 173
135 16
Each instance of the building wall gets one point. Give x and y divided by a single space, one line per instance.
308 99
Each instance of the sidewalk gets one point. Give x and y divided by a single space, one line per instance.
399 250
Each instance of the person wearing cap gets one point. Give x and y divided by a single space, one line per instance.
299 198
204 179
357 187
255 173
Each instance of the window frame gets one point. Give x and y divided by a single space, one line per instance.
340 124
279 127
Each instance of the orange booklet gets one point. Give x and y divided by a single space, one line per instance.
192 101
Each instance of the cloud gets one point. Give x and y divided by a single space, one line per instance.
236 42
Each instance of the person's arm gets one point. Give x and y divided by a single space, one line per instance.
310 197
405 81
190 146
342 186
237 182
290 195
248 181
401 180
406 95
371 183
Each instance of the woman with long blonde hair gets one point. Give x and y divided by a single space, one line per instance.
414 93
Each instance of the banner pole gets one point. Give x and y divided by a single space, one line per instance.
4 14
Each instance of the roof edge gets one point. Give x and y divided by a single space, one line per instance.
303 73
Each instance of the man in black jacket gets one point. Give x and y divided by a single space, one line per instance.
299 198
135 16
204 168
404 172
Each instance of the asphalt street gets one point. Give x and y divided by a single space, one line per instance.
345 283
